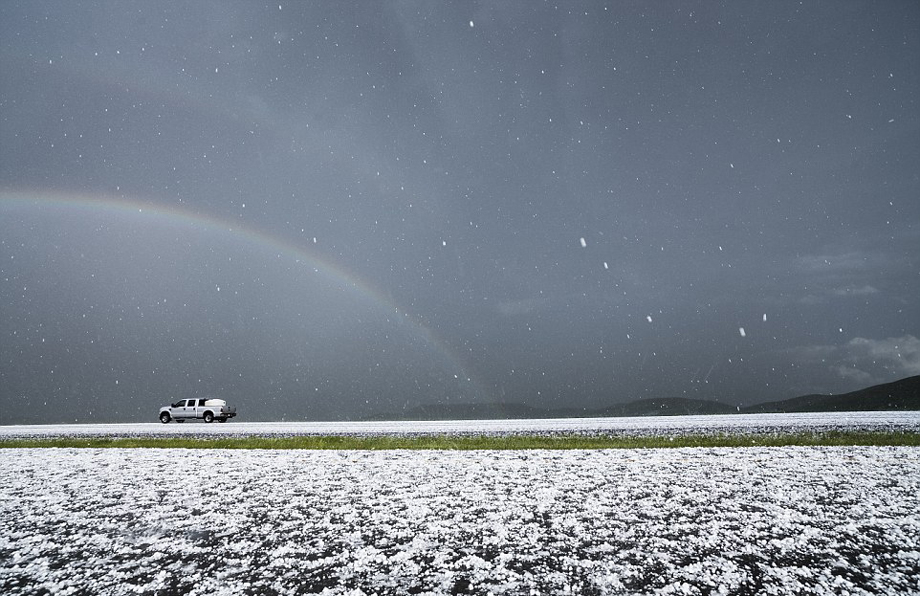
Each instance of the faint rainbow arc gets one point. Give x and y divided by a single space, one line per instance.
177 215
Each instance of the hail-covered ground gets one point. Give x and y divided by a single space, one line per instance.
840 520
637 425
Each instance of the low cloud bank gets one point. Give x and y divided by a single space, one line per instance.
868 361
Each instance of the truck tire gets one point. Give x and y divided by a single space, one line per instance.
165 417
209 417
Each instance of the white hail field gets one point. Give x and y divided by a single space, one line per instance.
642 425
677 521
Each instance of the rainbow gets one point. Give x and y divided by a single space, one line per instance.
38 202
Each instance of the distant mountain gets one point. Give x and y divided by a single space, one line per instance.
667 406
899 395
474 411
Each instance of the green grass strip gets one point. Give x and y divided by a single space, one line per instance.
502 442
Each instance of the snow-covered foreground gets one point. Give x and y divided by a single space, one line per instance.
644 425
677 521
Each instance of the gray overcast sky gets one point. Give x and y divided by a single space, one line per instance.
332 208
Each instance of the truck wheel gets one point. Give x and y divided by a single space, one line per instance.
209 417
165 417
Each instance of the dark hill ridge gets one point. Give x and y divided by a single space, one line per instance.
666 406
475 411
899 395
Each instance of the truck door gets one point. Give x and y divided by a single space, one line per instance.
186 409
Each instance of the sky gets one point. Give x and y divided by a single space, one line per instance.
323 210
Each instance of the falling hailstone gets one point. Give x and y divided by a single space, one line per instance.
606 266
583 243
741 331
764 317
649 318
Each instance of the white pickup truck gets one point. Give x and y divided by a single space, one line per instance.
208 409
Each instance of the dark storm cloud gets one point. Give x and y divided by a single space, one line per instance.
566 204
